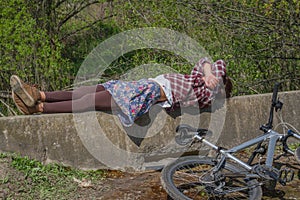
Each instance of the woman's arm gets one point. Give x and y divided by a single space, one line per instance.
203 68
198 68
210 80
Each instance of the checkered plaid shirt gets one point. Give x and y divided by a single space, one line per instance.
190 90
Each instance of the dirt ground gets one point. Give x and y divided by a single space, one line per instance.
135 186
144 186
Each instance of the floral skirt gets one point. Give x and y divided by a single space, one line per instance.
133 97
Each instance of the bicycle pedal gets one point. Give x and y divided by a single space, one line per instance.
286 175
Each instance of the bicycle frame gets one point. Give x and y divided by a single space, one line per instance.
226 173
271 135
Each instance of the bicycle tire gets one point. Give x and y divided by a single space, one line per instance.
180 192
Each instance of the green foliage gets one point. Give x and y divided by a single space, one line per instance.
27 49
79 46
294 146
259 41
40 172
148 58
47 181
45 42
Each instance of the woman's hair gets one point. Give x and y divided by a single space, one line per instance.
228 86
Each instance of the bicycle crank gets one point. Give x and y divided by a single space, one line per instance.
268 173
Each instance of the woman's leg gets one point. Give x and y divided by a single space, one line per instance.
101 101
56 96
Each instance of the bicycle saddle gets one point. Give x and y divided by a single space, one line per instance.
185 133
186 127
189 128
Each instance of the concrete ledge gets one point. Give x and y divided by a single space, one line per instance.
96 140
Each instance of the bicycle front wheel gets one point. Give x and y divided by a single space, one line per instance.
191 177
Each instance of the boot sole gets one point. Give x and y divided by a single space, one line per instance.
13 97
19 90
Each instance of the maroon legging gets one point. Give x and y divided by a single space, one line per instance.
85 98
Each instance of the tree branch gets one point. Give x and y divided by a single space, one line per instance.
65 36
75 11
59 3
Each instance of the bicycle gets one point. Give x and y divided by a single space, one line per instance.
225 176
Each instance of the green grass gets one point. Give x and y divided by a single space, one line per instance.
33 180
294 146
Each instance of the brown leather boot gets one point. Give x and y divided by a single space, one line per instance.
22 107
30 95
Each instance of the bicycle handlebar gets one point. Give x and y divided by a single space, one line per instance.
269 125
275 92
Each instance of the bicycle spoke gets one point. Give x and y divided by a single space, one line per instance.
194 179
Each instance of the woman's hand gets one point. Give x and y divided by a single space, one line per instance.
210 81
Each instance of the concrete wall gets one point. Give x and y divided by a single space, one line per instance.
95 140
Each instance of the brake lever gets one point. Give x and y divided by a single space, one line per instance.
278 105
